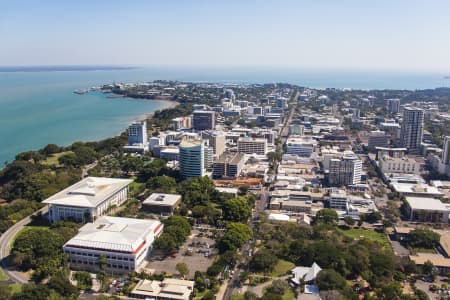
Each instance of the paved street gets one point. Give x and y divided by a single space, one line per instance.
5 247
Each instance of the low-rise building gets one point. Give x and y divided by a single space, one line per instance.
163 204
421 209
123 242
168 289
87 199
228 165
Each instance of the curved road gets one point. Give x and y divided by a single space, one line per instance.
5 246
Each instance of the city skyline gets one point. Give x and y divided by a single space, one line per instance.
399 36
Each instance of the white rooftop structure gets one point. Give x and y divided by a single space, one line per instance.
162 199
87 199
420 203
305 274
169 288
114 233
88 192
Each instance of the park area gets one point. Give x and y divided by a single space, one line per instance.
370 235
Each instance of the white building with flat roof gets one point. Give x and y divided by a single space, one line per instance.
161 203
87 199
427 210
124 242
300 145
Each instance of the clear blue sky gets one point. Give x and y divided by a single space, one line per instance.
350 34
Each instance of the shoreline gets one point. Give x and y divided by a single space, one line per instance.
141 117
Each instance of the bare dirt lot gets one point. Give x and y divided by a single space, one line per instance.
197 253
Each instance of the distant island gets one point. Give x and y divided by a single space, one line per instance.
6 69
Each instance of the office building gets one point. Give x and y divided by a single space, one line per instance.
250 145
216 140
420 209
124 242
228 165
192 158
168 289
377 139
204 120
412 129
164 204
296 129
87 199
345 171
338 200
393 105
182 123
301 145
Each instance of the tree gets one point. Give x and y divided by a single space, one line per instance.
349 221
278 286
326 216
373 217
84 280
183 269
162 184
236 209
235 236
423 238
102 262
329 279
61 284
263 261
5 292
32 292
51 149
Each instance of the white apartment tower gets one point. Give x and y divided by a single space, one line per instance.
345 171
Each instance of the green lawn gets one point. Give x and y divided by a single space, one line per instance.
288 295
281 268
53 159
366 234
16 288
3 275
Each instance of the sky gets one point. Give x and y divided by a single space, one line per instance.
401 35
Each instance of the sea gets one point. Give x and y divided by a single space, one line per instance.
38 106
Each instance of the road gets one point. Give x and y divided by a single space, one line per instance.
5 247
260 205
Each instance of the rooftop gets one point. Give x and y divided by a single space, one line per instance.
115 234
162 199
88 192
421 203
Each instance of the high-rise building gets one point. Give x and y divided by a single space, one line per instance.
301 145
446 151
356 114
216 141
345 171
137 133
250 145
192 158
393 105
412 129
204 119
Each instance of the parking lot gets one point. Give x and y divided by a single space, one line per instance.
197 253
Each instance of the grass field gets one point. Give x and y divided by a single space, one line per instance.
281 268
288 295
52 160
16 288
366 234
3 275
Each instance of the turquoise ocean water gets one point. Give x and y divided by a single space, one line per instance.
38 108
